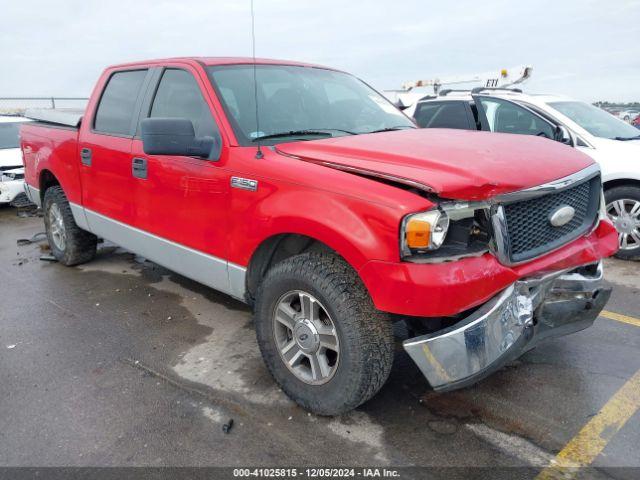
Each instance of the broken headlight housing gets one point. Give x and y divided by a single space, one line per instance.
449 231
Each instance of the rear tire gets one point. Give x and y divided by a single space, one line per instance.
623 208
359 337
70 245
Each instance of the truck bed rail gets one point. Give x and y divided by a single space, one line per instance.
68 117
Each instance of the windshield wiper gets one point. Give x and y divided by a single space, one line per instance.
624 139
295 133
392 129
336 130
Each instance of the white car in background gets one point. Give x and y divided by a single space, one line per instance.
614 144
11 166
628 115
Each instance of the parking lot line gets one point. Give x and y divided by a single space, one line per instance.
594 436
435 363
620 318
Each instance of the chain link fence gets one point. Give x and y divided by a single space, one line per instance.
18 105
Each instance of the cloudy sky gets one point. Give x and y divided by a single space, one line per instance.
586 49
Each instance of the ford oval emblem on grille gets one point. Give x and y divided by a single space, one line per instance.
562 215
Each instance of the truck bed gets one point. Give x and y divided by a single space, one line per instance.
50 144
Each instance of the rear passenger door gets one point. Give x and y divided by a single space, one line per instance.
183 199
449 114
105 147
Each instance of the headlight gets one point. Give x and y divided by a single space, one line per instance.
424 231
452 229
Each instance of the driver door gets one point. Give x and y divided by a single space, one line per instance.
183 201
504 116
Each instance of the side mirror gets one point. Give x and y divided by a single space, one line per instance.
176 136
563 135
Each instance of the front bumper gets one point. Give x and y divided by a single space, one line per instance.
450 288
10 189
512 322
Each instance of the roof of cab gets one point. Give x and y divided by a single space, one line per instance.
210 61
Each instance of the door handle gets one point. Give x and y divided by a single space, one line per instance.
139 167
85 156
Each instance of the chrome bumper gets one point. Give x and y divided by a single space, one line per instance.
10 189
508 325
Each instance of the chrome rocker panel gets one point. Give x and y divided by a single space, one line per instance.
508 325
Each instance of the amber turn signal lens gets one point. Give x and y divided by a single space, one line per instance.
418 233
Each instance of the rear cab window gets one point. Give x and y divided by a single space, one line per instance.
118 103
452 114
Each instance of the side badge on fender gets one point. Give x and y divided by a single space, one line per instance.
244 183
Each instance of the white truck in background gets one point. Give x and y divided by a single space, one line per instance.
11 166
410 92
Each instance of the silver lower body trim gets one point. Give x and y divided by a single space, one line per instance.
508 325
33 194
79 216
214 272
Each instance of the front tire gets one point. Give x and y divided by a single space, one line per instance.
320 335
70 245
623 209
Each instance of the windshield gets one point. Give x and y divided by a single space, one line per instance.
595 120
312 102
9 135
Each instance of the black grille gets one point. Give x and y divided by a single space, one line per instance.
14 176
529 231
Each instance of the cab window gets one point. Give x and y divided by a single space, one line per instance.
179 96
118 102
442 115
507 117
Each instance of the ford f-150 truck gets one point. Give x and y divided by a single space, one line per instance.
303 192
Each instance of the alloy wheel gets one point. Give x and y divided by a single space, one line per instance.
625 215
306 337
56 225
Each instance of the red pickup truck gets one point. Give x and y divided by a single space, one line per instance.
303 192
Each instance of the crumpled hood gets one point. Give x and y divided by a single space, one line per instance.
456 164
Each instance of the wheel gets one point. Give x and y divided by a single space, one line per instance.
320 335
623 208
69 243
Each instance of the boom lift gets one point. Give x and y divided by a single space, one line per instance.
502 78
